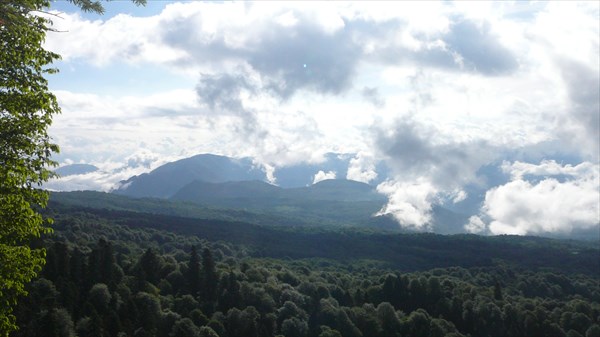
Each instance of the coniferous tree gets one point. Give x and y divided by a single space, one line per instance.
209 277
230 295
193 272
101 263
149 266
498 291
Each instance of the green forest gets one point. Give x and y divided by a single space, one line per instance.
124 273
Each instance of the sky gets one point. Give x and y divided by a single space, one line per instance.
438 91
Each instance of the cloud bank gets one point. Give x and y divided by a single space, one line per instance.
549 205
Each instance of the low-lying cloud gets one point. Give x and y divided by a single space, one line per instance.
548 205
321 175
362 168
427 168
409 203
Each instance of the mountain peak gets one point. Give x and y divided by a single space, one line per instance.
75 169
166 180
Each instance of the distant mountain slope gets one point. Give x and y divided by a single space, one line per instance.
111 201
337 201
236 194
164 181
303 174
340 190
75 169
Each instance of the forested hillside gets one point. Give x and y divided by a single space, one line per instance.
328 204
122 273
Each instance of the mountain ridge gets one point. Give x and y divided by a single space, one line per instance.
167 179
330 189
75 169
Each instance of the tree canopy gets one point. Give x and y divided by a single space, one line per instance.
261 294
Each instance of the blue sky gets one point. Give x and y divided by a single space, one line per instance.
435 90
153 7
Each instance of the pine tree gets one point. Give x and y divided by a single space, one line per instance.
209 277
193 272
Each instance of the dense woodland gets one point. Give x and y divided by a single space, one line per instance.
118 273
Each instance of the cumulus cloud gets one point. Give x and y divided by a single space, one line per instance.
223 91
362 168
415 149
305 57
478 49
287 48
441 164
291 48
101 42
518 170
475 225
143 158
458 44
321 175
547 206
225 94
458 196
580 124
409 203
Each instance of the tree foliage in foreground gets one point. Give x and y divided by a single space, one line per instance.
26 110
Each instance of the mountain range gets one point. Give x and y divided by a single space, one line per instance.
208 180
212 186
166 180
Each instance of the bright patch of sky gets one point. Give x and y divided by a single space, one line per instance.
437 91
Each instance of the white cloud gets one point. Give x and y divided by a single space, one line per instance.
518 169
429 165
549 205
409 202
100 42
575 38
110 172
458 196
362 168
270 173
143 158
475 225
320 176
102 180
